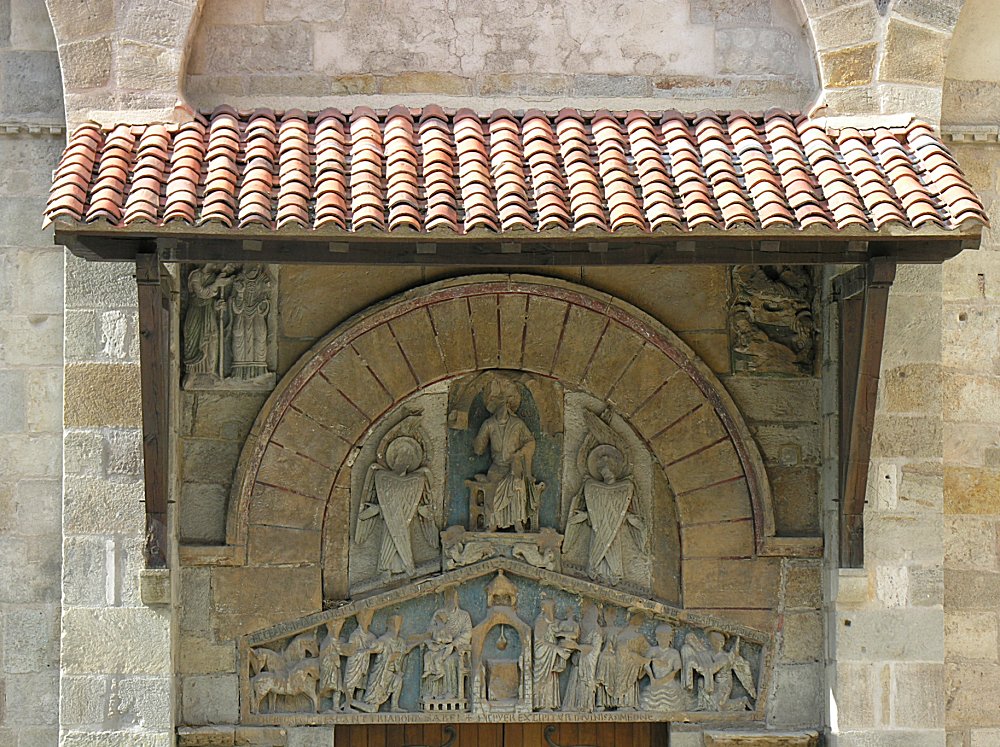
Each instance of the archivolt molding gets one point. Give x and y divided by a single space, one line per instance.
290 471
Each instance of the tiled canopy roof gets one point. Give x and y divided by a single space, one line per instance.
430 170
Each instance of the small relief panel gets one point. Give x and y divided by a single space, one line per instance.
502 640
228 327
771 324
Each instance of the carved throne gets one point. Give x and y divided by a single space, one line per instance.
481 495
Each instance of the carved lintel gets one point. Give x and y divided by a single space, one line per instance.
592 654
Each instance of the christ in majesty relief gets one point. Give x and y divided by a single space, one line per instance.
512 450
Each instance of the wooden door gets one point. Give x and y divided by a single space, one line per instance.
504 735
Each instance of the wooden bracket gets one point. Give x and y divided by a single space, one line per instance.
862 298
154 355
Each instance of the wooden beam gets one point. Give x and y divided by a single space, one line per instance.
862 334
530 251
154 355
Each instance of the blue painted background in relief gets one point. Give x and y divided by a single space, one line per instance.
464 464
417 615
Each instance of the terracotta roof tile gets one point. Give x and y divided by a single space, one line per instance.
429 170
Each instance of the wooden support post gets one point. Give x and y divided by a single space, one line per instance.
154 354
863 297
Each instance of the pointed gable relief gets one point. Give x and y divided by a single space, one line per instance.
511 487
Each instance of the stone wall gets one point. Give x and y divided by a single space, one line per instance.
515 54
31 323
116 656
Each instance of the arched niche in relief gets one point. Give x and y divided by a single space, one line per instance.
680 436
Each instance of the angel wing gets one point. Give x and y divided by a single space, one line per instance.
601 431
425 515
741 667
368 514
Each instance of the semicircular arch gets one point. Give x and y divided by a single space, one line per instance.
292 474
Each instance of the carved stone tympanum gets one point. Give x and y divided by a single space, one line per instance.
228 327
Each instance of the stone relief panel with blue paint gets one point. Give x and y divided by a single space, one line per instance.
503 640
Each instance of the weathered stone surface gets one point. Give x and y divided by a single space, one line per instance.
198 655
802 639
796 695
916 437
775 400
970 589
726 502
902 64
248 599
210 699
282 546
83 700
732 539
852 66
856 694
32 699
965 687
252 49
84 575
115 640
796 500
310 736
94 505
668 293
99 394
724 13
30 640
802 585
918 695
971 490
970 544
444 83
898 539
846 26
115 738
894 634
970 635
87 63
731 583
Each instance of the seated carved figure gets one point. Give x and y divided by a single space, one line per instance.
507 494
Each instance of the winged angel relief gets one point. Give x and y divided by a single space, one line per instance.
396 494
606 502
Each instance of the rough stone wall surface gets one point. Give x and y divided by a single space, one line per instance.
116 666
886 627
31 323
970 394
515 54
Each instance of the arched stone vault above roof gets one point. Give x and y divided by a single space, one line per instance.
294 471
128 61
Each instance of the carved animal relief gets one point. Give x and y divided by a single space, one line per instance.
771 324
228 327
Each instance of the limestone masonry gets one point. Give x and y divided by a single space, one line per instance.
545 438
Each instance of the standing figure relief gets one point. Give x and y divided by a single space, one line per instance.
607 503
226 336
396 494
